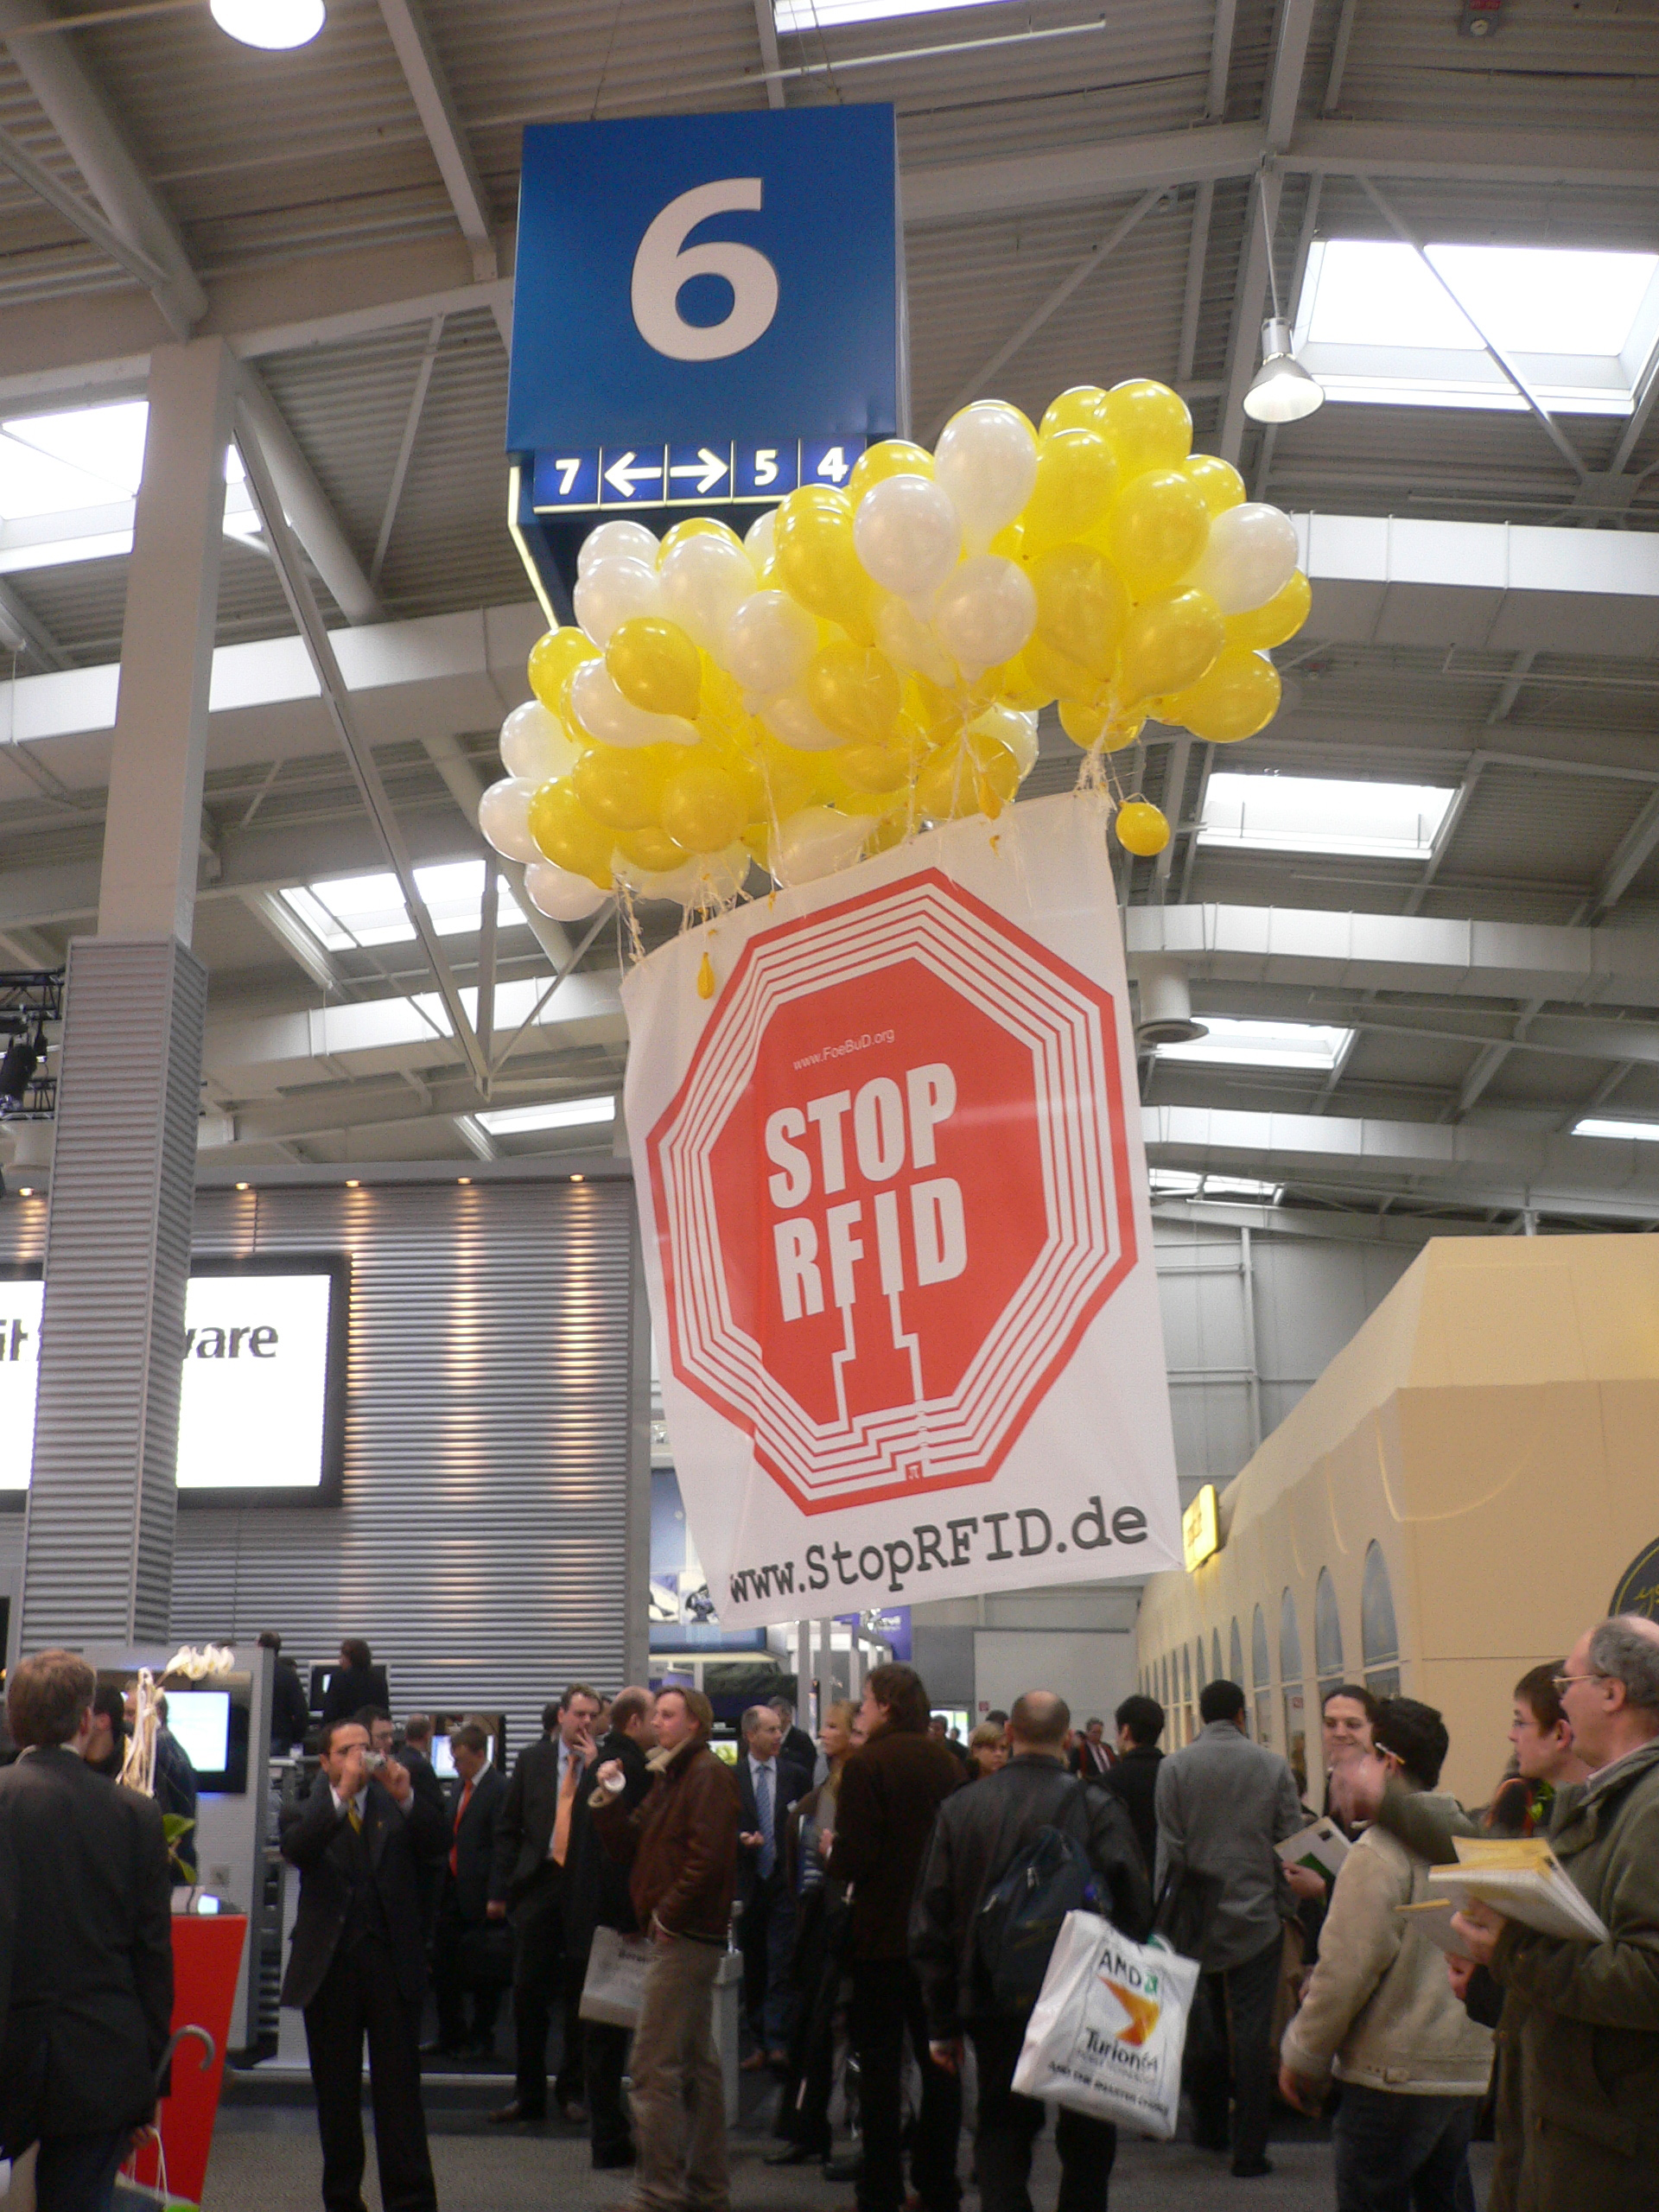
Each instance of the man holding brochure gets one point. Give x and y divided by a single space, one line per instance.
1589 2026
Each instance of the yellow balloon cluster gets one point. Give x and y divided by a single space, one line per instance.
871 659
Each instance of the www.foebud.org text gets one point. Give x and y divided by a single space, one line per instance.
894 1564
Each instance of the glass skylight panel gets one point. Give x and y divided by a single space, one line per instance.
1595 1125
1323 814
1304 1047
53 464
1184 1183
830 15
556 1113
354 913
1580 327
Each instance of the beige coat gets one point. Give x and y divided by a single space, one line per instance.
1379 2010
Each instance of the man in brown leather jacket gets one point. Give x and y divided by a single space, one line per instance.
681 1840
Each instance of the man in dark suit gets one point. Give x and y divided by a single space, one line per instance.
532 1847
599 1898
358 1964
1092 1757
797 1747
85 1944
474 1802
423 1776
767 1785
290 1716
356 1681
1134 1778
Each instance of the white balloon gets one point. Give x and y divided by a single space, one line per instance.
908 642
537 745
1008 727
758 540
504 817
707 878
907 535
1250 555
791 719
613 590
629 539
768 642
813 842
987 462
606 714
560 895
704 580
984 612
674 883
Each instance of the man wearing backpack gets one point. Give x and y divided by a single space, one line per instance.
1008 1860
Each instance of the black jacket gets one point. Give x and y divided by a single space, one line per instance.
791 1783
290 1715
891 1787
474 1842
316 1838
1134 1783
799 1749
85 1950
350 1688
525 1828
597 1893
977 1835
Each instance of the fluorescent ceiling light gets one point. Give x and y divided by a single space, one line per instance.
55 464
1183 1182
273 24
557 1113
1595 1126
1306 1048
355 912
1323 814
829 15
1375 324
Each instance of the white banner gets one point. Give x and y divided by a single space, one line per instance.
897 1229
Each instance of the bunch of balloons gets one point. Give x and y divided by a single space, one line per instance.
869 660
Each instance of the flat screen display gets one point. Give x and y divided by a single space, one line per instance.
262 1383
201 1721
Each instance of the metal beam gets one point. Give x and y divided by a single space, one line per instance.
79 216
276 916
306 506
465 787
765 31
22 631
406 446
1635 848
429 86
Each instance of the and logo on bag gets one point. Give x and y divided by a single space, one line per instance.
1139 1993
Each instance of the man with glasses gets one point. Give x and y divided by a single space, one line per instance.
1588 2024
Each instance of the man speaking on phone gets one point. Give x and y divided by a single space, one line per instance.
358 1964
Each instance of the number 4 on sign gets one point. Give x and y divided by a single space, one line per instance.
824 463
835 465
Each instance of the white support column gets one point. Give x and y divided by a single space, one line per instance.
98 1561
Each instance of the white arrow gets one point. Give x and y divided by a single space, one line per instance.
622 475
708 467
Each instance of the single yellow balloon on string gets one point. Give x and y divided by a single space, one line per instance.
570 836
1168 643
654 850
855 691
655 666
1077 482
1236 695
1082 408
696 526
1156 530
1217 482
816 562
1148 425
621 786
892 457
1141 828
702 808
553 658
1082 606
1276 622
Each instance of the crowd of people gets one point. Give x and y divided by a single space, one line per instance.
858 1877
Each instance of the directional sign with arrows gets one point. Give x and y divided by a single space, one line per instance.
688 476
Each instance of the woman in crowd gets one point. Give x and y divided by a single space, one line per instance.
987 1749
803 2108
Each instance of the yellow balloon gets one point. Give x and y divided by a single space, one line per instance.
892 457
876 769
702 807
655 666
1090 722
1277 622
1168 645
1141 828
569 835
1157 530
790 779
1236 695
1011 684
1217 482
553 658
1082 407
696 526
815 560
654 850
1082 606
855 691
621 786
1054 674
1077 482
1149 426
959 778
888 832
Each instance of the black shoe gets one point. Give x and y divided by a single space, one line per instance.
791 2154
847 2168
573 2111
443 2049
1248 2169
509 2113
602 2159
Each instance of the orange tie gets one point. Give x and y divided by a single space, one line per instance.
460 1814
566 1800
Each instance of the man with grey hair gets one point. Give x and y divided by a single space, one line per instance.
768 1783
1589 2029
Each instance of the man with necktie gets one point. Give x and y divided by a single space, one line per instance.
475 1804
532 1843
768 1784
1092 1757
358 1964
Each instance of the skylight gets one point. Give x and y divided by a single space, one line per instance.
1304 1047
355 912
1581 327
1183 1182
830 15
556 1113
53 464
1323 814
1594 1125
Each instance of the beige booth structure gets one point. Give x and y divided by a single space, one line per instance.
1457 1496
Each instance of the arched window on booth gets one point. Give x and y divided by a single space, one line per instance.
1236 1656
1290 1675
1379 1638
1200 1675
1216 1671
1186 1695
1262 1677
1327 1635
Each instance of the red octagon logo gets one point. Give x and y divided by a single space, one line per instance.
891 1192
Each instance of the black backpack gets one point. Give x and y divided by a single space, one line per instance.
1019 1919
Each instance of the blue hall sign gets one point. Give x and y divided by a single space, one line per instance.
708 311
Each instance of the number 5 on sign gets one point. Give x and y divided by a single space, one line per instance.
664 265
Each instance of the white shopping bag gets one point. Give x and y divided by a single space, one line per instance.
1105 2035
616 1978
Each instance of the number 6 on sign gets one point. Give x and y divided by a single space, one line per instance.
664 265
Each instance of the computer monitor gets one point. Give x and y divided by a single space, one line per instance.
495 1725
210 1725
321 1678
